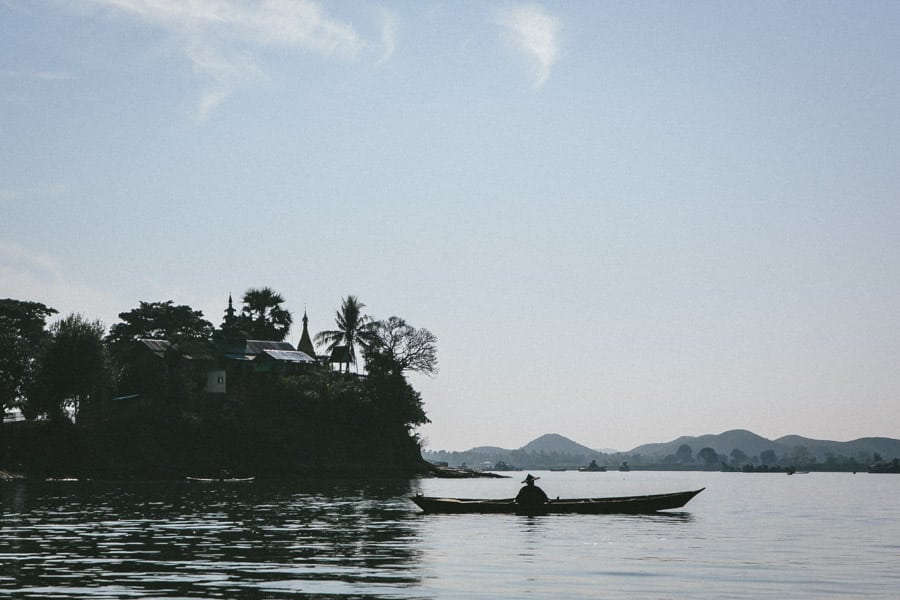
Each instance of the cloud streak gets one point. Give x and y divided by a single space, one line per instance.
529 29
388 36
222 37
26 274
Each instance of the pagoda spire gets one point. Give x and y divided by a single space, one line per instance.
229 312
306 344
230 322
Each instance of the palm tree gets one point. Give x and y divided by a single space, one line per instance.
353 329
263 315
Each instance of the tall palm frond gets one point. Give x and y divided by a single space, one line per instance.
353 328
264 315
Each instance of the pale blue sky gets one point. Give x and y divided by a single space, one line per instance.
625 222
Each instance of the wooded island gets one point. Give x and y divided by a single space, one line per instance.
166 394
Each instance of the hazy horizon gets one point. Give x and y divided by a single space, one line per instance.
608 450
623 222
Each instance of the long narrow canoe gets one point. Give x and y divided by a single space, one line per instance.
589 506
221 479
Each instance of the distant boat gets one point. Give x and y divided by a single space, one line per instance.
593 468
624 467
589 506
502 466
558 469
221 479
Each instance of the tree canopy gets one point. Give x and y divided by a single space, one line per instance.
708 456
159 321
22 336
403 347
263 317
74 368
684 454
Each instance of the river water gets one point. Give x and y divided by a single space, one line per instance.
818 535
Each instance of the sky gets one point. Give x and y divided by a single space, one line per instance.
624 222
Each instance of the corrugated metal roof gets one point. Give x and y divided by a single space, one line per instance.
157 347
294 356
254 347
259 346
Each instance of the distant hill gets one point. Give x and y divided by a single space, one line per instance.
752 445
547 451
723 443
554 450
553 442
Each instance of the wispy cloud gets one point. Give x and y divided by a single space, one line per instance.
535 33
388 35
27 274
222 38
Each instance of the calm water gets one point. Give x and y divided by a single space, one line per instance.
746 536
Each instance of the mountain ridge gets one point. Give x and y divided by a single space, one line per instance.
735 445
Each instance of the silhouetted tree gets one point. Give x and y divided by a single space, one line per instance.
800 455
158 321
22 337
263 317
738 456
398 403
708 456
768 457
403 347
353 328
155 321
74 368
684 454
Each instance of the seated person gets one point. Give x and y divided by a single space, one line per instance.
531 495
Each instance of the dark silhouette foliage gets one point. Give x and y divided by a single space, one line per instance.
22 338
398 346
263 317
158 321
74 369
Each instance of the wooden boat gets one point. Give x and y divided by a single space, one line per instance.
221 479
590 506
593 468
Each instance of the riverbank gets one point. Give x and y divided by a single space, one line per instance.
460 473
173 450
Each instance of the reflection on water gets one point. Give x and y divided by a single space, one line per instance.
74 540
746 536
